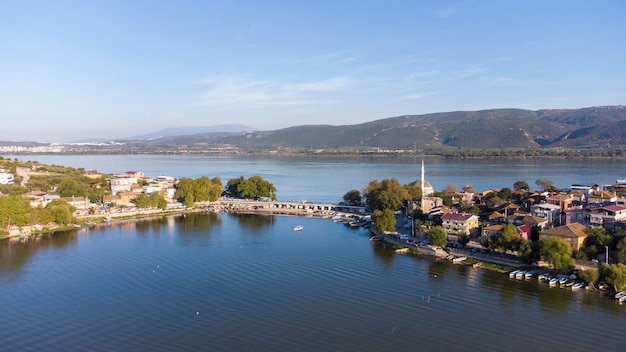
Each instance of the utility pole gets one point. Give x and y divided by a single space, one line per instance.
607 253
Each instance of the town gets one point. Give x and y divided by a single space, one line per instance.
585 225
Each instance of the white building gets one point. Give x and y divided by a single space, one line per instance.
6 178
548 211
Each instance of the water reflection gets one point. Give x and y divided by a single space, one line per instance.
195 223
254 223
15 254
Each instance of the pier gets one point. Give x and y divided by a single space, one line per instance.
282 207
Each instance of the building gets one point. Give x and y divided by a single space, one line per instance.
551 212
573 234
6 178
458 224
610 217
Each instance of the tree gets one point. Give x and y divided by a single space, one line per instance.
352 197
528 252
506 194
71 188
521 186
451 188
545 184
509 240
142 201
438 236
385 220
14 210
615 275
61 211
463 239
556 252
468 189
388 194
591 275
185 191
621 251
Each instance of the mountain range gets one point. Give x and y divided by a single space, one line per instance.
587 128
595 128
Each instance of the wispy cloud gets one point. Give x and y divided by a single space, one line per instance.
235 89
417 96
445 12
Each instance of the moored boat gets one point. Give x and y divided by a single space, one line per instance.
619 295
376 238
562 280
577 285
513 273
529 274
298 228
544 277
520 274
553 281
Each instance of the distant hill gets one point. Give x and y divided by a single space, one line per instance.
182 131
594 127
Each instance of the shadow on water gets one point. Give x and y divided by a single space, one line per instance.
385 254
14 255
197 223
253 223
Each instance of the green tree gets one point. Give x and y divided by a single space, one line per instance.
521 186
556 252
615 275
142 201
232 184
71 188
438 236
185 191
388 194
61 211
352 197
621 251
215 189
463 239
591 276
545 184
506 194
528 252
14 210
509 240
157 201
385 220
468 189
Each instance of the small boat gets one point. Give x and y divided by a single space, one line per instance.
622 299
529 274
553 281
544 277
376 238
298 228
458 260
520 274
619 295
562 280
577 285
513 273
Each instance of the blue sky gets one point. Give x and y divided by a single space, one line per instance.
71 70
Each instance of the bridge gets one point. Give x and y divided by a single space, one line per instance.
282 207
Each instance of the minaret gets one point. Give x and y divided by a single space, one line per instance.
422 178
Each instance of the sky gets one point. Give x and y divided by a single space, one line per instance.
74 70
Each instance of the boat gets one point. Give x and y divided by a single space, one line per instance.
622 299
620 295
562 280
458 260
577 285
376 238
513 273
520 274
553 281
529 274
298 228
544 277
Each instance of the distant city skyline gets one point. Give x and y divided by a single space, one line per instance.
75 70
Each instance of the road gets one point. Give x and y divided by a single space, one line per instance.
22 172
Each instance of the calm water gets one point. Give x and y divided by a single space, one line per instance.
328 179
250 283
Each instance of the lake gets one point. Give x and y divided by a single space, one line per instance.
221 282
